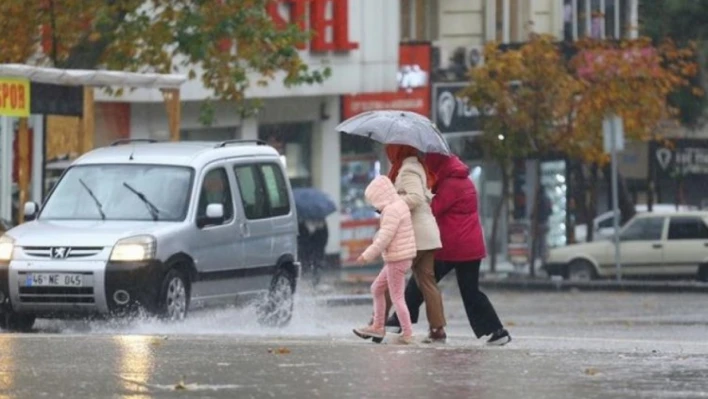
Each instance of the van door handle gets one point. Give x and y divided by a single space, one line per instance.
705 244
244 228
657 246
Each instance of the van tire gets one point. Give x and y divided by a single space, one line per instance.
580 270
173 302
277 310
16 322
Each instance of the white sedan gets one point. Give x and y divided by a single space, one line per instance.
664 244
603 223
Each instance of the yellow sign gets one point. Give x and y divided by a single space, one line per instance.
14 97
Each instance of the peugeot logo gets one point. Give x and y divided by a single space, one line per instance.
60 252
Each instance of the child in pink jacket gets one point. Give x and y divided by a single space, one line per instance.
395 240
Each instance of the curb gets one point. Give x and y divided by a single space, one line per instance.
616 286
523 285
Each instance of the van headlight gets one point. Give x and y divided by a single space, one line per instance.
134 249
7 246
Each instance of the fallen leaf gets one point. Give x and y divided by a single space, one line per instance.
592 371
181 386
282 351
510 324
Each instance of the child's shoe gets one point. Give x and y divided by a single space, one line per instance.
370 332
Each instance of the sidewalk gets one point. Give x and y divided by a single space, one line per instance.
338 290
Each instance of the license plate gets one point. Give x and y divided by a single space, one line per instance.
54 280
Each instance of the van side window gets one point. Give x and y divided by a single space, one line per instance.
276 189
216 190
253 194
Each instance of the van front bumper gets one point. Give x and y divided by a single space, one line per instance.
107 287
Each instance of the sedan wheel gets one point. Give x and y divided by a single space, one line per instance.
580 270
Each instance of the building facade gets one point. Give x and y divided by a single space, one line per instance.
298 121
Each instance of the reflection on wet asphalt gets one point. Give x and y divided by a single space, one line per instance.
565 346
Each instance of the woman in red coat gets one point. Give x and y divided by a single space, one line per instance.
455 209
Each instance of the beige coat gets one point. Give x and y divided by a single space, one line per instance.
395 239
412 185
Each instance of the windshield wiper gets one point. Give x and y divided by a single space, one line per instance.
150 206
99 206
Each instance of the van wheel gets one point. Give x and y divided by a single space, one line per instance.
15 322
580 270
174 296
277 311
703 273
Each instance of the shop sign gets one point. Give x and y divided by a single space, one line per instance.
413 86
51 99
14 97
518 244
330 30
356 236
688 157
451 113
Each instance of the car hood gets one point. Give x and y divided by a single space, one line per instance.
564 254
83 233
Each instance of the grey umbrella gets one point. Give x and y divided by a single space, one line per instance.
397 127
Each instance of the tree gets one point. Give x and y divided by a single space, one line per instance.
543 103
222 41
683 21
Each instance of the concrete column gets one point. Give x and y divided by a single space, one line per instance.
633 19
6 156
249 129
490 20
37 178
326 161
506 21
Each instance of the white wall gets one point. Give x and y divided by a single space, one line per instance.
374 24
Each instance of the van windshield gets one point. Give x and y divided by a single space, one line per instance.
121 192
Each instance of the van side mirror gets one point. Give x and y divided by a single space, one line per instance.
214 215
31 209
215 211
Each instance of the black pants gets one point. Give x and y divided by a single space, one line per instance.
480 312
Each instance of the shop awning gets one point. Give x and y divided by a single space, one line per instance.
79 77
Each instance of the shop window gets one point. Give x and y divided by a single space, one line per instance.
294 143
361 161
419 20
210 134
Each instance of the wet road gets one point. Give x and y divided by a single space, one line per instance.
565 346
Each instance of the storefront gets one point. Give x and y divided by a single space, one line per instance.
363 159
299 121
460 124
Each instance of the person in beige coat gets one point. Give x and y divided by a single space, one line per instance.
412 181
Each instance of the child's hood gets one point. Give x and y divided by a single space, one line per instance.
381 192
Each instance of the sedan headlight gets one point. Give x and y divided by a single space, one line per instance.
7 246
134 249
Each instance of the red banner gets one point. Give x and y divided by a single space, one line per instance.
413 86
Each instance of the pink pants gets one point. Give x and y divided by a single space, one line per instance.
392 278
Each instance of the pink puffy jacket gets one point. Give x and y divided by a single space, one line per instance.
395 239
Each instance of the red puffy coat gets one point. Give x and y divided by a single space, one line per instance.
455 209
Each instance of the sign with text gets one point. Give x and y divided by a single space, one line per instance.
413 88
328 21
14 97
450 112
684 157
